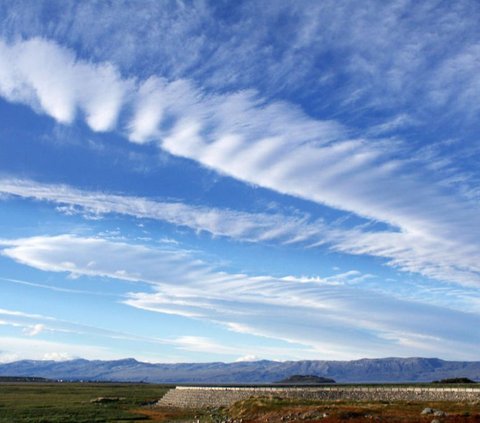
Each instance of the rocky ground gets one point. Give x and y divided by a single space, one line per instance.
276 410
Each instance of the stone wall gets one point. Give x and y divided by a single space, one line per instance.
204 397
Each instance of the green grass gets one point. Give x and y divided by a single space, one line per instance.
70 402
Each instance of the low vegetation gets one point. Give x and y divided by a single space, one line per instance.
277 410
4 379
76 402
109 402
305 380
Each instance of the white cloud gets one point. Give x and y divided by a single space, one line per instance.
154 99
391 125
425 253
34 330
52 80
14 349
272 144
57 356
387 56
203 344
35 324
25 322
459 71
218 222
207 345
312 312
248 357
382 53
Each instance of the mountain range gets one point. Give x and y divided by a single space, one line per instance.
383 370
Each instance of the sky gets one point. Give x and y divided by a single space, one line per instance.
199 181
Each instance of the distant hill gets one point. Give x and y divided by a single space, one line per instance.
10 379
455 380
305 380
394 370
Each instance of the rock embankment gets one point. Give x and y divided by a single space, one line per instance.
205 397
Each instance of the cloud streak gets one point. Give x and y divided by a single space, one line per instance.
14 349
424 253
369 110
272 144
253 227
35 325
374 55
287 308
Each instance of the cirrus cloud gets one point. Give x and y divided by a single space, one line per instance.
286 308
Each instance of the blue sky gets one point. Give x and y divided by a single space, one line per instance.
222 181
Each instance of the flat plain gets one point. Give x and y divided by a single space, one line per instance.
71 402
117 402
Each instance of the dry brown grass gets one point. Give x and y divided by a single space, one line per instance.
164 414
275 410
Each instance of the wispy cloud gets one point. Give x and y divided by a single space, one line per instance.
374 54
269 143
289 308
53 287
368 109
33 324
38 349
29 325
34 330
421 251
218 222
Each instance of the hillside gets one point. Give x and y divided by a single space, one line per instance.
366 370
305 380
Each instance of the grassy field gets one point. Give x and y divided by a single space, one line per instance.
70 402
